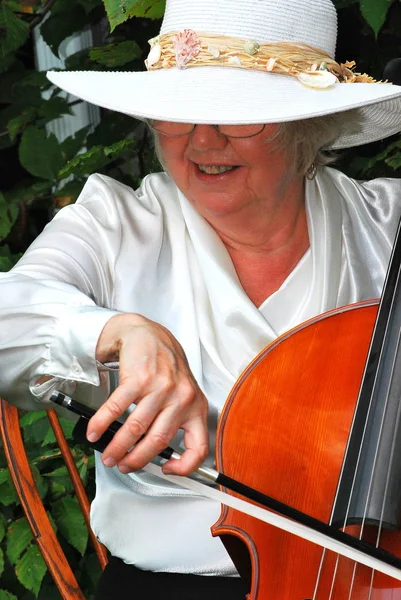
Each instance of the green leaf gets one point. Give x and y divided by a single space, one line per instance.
74 143
8 494
28 194
2 526
70 522
83 470
19 537
89 5
4 595
95 159
115 55
21 100
57 489
119 11
49 437
7 261
4 476
61 24
30 418
112 128
375 12
31 569
16 125
8 216
91 569
14 32
8 83
59 472
1 562
68 427
80 61
54 108
40 482
6 61
37 431
68 193
394 161
25 6
39 154
36 79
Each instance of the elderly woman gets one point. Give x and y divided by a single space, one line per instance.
185 280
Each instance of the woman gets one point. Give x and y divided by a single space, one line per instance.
185 280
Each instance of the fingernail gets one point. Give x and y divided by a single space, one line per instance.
93 437
109 462
123 469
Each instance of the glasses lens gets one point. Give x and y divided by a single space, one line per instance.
176 129
170 128
241 131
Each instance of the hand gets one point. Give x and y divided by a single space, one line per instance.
155 375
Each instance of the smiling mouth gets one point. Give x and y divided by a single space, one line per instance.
215 169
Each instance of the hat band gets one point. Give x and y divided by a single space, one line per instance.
312 66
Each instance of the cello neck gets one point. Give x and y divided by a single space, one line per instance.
369 489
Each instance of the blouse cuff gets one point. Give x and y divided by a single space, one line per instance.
72 353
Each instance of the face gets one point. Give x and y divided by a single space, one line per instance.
224 176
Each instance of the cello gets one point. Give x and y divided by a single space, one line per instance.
314 423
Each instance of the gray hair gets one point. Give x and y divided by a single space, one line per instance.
307 141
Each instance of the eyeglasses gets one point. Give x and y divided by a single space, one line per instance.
179 129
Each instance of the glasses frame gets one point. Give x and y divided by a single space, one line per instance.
194 125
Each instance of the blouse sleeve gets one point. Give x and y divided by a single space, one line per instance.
55 302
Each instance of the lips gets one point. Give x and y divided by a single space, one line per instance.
215 169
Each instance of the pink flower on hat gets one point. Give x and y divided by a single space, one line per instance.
187 45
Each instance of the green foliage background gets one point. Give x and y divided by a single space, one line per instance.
38 175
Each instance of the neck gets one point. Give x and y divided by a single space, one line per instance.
266 245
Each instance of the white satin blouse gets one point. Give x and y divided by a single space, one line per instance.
150 252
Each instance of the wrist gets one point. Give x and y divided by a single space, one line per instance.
111 337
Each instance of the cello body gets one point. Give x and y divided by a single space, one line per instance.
284 431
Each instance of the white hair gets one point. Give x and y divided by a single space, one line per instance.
308 141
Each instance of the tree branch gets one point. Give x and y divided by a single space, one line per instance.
40 16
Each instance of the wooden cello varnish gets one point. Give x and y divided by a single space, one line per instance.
284 431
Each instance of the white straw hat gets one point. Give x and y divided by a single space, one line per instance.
231 56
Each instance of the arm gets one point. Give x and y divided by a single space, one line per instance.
53 303
55 323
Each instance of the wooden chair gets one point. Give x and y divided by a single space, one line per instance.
32 505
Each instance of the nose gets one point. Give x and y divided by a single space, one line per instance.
208 136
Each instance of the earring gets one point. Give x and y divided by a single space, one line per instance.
311 172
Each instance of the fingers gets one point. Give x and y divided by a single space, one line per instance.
114 408
155 376
137 425
196 440
158 416
160 436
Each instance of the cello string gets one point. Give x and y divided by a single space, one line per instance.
319 574
278 521
389 296
371 583
336 569
382 433
374 359
393 448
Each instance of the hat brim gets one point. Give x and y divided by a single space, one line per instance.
222 95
